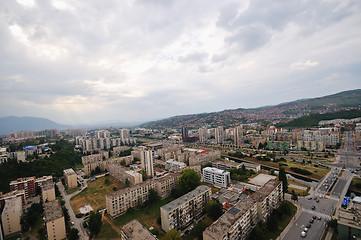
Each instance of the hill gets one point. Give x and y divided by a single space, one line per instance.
283 112
17 124
312 120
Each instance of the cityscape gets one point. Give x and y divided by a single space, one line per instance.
180 120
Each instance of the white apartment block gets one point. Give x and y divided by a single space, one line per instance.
172 165
226 165
203 134
217 177
268 198
236 223
181 212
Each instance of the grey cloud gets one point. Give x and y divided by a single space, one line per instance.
194 57
249 38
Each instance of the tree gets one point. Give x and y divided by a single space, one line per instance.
283 178
127 183
294 196
152 196
73 234
188 181
214 209
95 223
172 235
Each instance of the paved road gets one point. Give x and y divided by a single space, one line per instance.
78 223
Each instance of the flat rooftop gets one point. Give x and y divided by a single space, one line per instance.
185 198
214 170
12 205
69 171
135 230
264 191
127 190
222 226
25 179
47 185
52 210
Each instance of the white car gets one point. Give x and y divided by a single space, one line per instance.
303 234
305 230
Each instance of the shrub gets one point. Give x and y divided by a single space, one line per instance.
301 171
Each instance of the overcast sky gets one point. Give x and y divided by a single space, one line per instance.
94 61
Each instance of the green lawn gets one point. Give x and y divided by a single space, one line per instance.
283 222
147 216
107 232
95 193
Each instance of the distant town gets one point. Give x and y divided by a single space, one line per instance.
244 182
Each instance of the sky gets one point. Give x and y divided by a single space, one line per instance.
84 62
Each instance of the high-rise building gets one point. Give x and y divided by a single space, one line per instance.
203 134
238 136
102 134
219 135
185 133
124 135
146 158
48 192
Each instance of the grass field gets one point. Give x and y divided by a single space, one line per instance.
94 195
298 191
107 232
355 185
147 216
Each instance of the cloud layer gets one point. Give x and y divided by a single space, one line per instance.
93 61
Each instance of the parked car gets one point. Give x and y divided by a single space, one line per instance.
311 221
314 217
303 234
305 230
309 198
313 207
317 200
308 226
319 218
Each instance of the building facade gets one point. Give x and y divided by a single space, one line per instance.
215 176
146 158
48 192
11 215
54 221
27 184
181 212
70 178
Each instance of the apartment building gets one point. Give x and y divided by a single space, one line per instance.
135 230
226 165
14 194
238 136
43 180
181 212
203 134
122 173
70 178
120 201
311 145
166 183
91 162
48 192
348 220
27 184
268 198
11 215
203 158
219 135
54 221
172 165
146 158
215 176
236 223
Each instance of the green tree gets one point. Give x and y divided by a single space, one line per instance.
152 196
127 183
283 178
95 223
73 234
294 196
214 209
188 181
172 235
